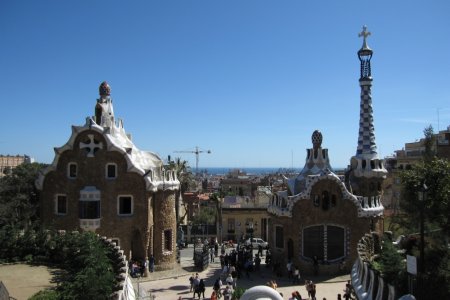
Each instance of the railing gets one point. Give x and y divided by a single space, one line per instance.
89 224
367 283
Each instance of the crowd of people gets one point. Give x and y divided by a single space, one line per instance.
239 262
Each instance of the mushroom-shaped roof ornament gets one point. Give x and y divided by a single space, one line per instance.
104 89
316 139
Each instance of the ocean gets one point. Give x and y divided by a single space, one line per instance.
251 171
248 171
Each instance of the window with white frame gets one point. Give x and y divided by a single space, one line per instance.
61 204
111 171
89 203
72 170
125 205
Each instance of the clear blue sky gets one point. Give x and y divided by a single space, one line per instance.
249 80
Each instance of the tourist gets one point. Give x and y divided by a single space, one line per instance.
273 284
152 263
216 249
289 269
196 284
211 254
348 290
201 289
227 293
257 262
217 287
230 280
214 296
313 291
308 286
191 281
316 265
296 275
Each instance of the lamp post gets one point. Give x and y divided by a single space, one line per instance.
250 229
422 197
189 227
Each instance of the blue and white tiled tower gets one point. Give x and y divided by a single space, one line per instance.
367 170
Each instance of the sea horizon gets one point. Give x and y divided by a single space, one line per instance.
251 170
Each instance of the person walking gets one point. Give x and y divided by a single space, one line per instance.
214 296
201 289
227 293
217 287
289 269
296 279
211 254
308 286
196 285
151 262
316 265
313 292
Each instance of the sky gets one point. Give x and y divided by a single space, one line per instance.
249 80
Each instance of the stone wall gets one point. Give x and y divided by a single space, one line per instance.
129 231
367 283
164 222
343 214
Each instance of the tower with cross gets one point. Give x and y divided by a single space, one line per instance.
367 170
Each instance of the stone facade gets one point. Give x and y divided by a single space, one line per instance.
99 181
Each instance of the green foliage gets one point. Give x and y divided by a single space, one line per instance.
45 295
84 258
436 175
207 215
238 292
18 196
429 141
390 263
434 204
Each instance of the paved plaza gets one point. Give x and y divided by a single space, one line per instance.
22 281
173 284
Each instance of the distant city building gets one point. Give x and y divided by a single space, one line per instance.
9 162
239 213
322 216
404 159
100 181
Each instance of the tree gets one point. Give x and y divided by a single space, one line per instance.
434 173
207 215
18 196
187 182
428 142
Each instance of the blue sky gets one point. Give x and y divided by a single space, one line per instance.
249 80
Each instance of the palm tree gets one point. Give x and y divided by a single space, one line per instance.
217 198
184 175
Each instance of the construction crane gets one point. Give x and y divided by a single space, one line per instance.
197 152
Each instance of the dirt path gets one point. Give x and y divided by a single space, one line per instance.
23 281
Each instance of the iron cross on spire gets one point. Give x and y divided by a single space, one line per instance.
364 33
